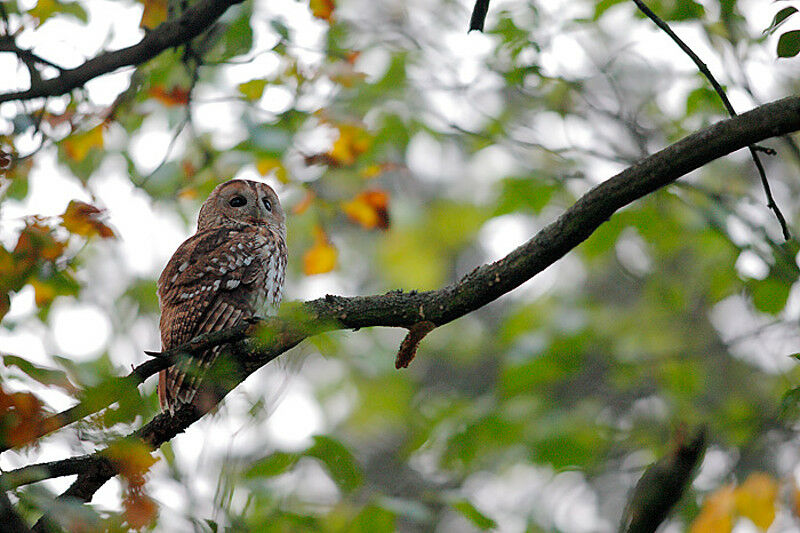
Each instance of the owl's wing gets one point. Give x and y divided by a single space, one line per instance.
205 287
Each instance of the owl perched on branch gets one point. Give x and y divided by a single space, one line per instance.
230 270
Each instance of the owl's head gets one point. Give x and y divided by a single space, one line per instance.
242 202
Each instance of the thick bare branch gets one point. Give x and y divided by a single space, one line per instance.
192 23
484 284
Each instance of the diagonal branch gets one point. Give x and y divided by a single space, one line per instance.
192 23
481 286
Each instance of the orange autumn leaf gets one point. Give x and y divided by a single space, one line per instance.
21 416
351 143
322 9
176 96
78 146
756 499
37 242
717 513
83 219
140 509
369 208
188 168
155 12
305 203
321 257
132 458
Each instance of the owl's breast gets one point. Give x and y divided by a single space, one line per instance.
272 257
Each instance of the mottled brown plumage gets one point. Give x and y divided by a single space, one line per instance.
231 269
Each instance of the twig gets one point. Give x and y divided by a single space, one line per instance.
721 92
478 15
485 283
136 377
194 21
8 44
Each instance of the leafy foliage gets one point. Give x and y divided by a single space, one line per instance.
406 154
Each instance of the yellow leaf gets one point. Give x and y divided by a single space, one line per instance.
352 142
371 171
155 12
323 9
253 89
716 516
755 499
321 257
369 209
83 219
44 10
78 146
265 165
44 293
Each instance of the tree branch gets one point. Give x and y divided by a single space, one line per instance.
192 23
703 68
478 15
136 377
481 286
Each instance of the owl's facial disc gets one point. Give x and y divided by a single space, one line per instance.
242 201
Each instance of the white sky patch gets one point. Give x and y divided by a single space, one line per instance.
147 237
503 234
296 418
750 265
751 336
150 143
81 330
632 253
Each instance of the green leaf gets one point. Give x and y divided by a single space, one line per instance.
46 376
338 461
780 18
704 99
373 519
472 514
253 89
770 294
789 44
523 194
272 465
790 403
603 5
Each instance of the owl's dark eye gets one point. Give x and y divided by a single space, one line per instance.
267 203
237 201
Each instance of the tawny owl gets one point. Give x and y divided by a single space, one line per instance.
231 269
